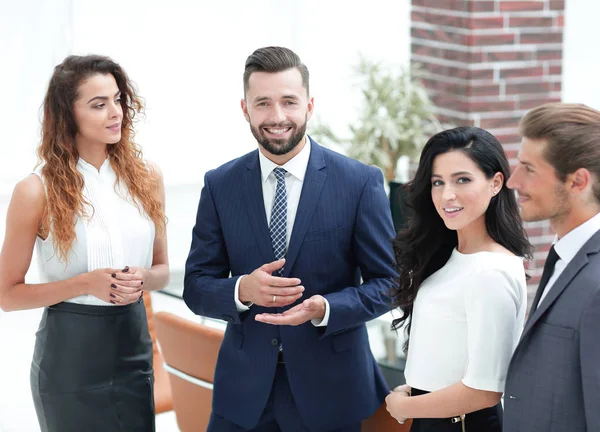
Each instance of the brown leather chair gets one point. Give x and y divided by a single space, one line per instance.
190 350
162 387
382 421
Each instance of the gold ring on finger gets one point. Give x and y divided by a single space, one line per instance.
274 299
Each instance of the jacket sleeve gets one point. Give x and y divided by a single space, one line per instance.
208 289
372 244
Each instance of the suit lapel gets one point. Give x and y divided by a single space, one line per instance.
255 207
311 191
580 260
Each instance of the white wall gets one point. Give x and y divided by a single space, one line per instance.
34 37
581 58
187 59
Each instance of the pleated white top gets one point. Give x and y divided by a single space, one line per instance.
113 235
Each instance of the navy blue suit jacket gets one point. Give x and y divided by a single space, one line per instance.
343 231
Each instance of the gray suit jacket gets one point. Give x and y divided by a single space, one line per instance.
553 382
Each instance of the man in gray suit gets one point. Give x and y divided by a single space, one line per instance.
553 381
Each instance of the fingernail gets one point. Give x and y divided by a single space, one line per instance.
113 275
126 269
142 283
113 286
112 295
112 302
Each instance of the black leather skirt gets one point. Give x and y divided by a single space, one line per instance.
485 420
92 369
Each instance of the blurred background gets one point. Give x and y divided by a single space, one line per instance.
478 62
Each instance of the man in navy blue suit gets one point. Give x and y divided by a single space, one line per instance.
282 239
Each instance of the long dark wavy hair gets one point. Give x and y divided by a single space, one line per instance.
425 245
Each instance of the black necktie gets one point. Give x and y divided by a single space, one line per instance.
546 274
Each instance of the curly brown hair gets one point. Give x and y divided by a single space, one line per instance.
58 153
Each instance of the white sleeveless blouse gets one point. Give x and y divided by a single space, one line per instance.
113 234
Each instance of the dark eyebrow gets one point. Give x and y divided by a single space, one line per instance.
103 97
266 98
456 174
262 99
529 164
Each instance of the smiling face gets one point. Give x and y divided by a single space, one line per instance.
460 191
541 194
98 112
277 107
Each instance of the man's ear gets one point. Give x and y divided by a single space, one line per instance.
310 108
580 180
244 106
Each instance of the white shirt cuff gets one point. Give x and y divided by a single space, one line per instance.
241 307
325 319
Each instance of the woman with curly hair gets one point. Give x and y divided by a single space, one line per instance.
461 289
94 209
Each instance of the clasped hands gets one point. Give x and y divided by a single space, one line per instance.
394 400
263 289
116 286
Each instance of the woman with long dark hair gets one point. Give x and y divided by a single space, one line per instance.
461 286
94 210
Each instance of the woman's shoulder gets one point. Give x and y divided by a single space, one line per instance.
498 249
29 197
155 172
31 189
500 261
499 269
492 263
154 169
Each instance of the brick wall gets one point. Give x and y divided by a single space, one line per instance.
486 63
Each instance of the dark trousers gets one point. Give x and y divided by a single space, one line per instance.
485 420
280 414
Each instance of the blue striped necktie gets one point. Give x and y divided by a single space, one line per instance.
278 223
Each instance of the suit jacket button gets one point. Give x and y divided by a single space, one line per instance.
228 318
275 342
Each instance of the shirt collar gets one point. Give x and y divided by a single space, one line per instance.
296 166
89 168
568 246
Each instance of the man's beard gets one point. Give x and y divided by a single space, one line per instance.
557 213
276 146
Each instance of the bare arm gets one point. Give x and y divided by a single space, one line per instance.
22 221
448 402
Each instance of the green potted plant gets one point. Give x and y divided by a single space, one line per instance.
395 120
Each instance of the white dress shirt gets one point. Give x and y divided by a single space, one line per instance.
568 246
112 235
294 179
